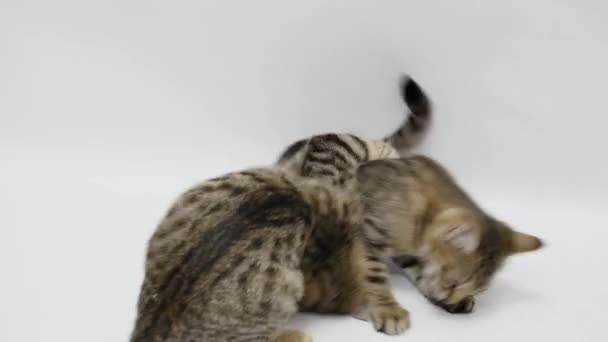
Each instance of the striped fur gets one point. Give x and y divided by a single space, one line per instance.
404 139
411 205
223 264
236 256
412 208
343 266
449 247
334 158
417 123
229 260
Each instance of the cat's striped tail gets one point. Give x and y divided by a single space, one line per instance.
418 120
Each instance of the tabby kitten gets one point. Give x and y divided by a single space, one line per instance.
415 214
224 264
406 219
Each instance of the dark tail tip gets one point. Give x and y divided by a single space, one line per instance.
414 97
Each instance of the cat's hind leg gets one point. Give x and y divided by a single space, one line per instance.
292 336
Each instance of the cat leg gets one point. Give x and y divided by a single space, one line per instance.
385 313
292 336
289 335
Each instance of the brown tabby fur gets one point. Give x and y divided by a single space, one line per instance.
227 262
413 219
413 208
236 256
457 245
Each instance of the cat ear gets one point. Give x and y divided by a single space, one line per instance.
463 237
521 242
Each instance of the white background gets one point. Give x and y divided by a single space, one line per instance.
109 109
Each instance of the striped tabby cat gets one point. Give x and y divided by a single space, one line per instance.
415 216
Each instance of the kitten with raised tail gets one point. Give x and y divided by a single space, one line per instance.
415 216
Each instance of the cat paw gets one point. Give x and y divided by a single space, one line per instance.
464 307
390 319
292 336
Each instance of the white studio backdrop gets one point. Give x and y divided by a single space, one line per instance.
109 109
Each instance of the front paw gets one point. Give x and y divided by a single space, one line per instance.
390 319
465 306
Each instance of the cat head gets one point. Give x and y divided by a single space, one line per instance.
458 248
463 251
